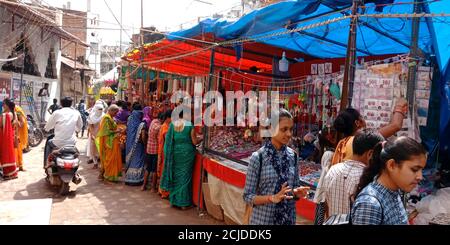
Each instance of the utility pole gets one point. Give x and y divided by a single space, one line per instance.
21 75
121 4
142 52
349 73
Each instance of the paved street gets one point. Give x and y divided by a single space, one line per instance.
91 202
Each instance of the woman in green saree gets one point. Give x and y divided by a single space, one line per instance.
179 155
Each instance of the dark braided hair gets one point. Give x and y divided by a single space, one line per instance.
401 149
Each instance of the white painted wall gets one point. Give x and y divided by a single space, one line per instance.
39 47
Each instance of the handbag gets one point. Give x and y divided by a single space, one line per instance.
249 208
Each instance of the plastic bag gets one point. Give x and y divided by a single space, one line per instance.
433 205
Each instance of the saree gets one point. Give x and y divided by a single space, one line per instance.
178 164
7 151
161 138
135 150
109 149
23 131
22 135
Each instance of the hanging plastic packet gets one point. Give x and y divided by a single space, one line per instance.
335 91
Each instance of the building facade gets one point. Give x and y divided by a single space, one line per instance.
30 54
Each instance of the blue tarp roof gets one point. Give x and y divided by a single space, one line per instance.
375 36
316 42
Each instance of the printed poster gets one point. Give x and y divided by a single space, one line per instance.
321 69
5 86
313 69
328 68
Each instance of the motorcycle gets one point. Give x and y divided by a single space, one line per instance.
62 166
35 134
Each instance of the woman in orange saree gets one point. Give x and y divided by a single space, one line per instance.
22 128
109 146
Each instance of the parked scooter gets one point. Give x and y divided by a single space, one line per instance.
62 166
35 134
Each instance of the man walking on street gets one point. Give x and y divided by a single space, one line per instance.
54 107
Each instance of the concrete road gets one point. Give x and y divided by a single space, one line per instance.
90 202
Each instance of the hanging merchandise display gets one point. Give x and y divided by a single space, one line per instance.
423 90
283 63
377 87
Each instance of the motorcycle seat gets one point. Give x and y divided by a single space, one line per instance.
67 152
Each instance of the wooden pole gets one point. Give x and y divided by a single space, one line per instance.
414 48
205 142
349 73
142 54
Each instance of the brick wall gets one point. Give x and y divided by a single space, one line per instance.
76 26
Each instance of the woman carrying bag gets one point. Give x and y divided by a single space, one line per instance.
272 184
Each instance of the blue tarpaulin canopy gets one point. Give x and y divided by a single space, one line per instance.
375 36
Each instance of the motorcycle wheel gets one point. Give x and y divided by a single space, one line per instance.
64 190
36 138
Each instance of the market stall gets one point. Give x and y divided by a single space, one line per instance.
246 55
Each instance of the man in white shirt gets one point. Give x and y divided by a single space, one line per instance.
342 179
65 122
44 95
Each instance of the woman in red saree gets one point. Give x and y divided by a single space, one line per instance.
7 136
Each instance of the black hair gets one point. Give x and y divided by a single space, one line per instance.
161 116
181 113
400 149
55 101
11 106
283 113
81 101
345 121
137 106
120 103
168 114
324 142
366 140
66 102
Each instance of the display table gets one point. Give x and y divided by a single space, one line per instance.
226 183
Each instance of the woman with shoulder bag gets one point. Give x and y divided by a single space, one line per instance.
272 184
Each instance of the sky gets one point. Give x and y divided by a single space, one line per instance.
163 14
